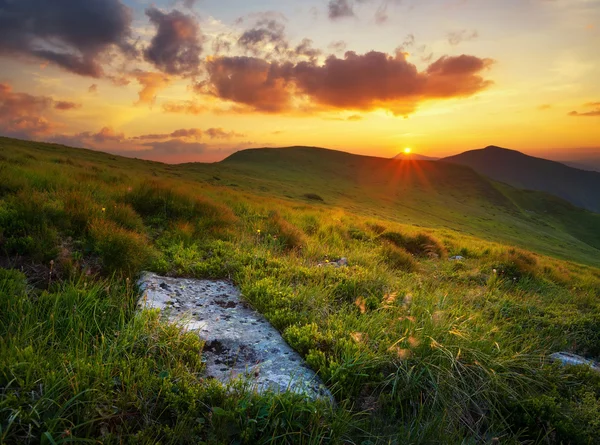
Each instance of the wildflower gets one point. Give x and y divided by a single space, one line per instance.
258 231
103 209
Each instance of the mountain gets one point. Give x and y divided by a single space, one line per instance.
413 157
579 187
583 164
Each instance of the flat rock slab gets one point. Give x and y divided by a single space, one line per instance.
239 341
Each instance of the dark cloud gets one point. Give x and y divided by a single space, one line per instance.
305 48
268 34
356 82
177 45
251 81
338 9
595 110
464 35
64 105
72 34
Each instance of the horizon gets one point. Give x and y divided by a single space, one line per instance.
185 81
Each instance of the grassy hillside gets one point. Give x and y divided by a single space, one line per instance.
417 348
421 193
579 187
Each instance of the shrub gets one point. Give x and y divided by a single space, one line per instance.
125 216
420 244
27 226
313 197
377 228
159 202
288 235
80 209
398 258
120 250
516 264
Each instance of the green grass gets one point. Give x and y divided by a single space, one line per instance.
415 347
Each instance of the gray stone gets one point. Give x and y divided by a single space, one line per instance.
566 358
239 342
457 257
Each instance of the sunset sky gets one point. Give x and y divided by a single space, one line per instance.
187 80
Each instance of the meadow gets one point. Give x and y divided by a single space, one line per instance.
416 347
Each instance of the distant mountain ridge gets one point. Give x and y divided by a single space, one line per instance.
579 187
414 157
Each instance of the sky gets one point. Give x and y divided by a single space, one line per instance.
196 80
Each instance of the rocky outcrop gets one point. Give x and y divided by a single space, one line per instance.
239 342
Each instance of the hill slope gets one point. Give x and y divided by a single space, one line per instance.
415 346
423 193
579 187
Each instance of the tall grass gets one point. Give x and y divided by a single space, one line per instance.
416 348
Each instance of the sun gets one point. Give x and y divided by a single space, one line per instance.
407 150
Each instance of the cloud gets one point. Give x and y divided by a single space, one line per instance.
457 37
267 35
151 84
184 107
219 133
64 105
544 107
369 81
222 43
71 34
305 48
592 113
337 46
381 15
192 133
249 80
26 116
337 9
93 88
177 45
174 146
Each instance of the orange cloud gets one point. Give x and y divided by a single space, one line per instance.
151 84
192 133
24 115
64 105
369 81
594 112
185 107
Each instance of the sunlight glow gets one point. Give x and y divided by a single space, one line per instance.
407 150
